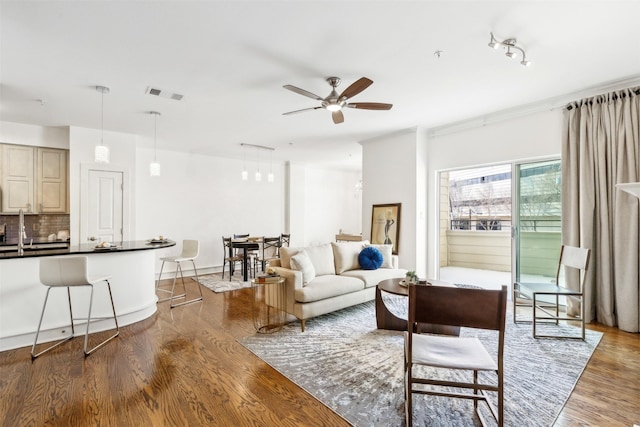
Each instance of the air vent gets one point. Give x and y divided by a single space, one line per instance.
164 93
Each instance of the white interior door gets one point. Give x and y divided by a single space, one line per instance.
105 207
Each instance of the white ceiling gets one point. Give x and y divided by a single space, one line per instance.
230 60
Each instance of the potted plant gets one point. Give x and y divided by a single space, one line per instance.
411 277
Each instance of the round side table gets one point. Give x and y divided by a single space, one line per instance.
268 305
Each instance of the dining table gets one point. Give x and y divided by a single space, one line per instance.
250 244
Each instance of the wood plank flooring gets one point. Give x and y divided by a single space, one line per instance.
184 367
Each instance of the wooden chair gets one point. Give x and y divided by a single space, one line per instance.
66 272
465 356
251 254
268 251
230 257
573 260
285 239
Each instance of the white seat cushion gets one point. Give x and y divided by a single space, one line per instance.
451 352
327 286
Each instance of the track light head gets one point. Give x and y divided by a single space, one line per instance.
511 45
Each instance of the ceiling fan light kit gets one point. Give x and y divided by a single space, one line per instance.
511 45
335 102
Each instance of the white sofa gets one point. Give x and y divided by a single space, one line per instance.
328 277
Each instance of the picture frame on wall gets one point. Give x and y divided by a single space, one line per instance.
385 225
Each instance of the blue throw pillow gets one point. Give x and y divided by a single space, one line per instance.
370 258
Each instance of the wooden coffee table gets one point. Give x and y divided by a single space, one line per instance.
387 320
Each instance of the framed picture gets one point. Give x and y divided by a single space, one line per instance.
385 225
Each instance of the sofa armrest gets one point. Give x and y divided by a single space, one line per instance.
395 261
292 281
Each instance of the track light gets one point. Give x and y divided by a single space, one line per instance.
258 174
511 44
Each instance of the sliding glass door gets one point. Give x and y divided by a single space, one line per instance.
536 224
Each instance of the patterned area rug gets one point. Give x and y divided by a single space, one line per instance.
356 370
217 284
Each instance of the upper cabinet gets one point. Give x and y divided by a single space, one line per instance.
34 179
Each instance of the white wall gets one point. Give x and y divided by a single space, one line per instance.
534 136
331 203
41 136
390 174
203 197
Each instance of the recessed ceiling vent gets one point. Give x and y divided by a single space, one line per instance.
164 93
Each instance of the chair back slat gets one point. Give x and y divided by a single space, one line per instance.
574 257
442 305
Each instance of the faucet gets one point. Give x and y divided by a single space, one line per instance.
20 232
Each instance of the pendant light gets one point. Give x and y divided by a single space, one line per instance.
101 153
270 177
258 174
245 174
154 167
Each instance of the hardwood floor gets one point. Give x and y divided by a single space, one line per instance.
184 367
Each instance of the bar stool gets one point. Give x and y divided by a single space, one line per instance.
68 271
190 251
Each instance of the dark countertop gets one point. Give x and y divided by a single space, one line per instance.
39 241
87 248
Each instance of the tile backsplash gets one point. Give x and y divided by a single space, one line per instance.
36 226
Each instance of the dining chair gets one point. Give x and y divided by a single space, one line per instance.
230 257
252 254
268 251
285 239
190 251
463 357
67 272
573 261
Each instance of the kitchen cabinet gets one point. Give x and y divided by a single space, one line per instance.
34 179
51 180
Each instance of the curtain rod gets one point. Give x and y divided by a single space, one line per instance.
614 96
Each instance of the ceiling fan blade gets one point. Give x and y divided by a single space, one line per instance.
355 88
301 111
337 117
369 105
303 92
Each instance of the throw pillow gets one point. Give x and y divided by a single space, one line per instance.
346 255
387 254
370 258
302 262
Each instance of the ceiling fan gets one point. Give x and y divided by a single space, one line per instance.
334 102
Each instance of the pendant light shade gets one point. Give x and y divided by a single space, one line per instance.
101 153
154 167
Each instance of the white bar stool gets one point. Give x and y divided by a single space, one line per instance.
190 251
68 271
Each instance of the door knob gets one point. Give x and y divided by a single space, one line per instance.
92 239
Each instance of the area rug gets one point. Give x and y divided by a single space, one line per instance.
216 283
356 370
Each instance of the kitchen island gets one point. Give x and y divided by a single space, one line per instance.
130 264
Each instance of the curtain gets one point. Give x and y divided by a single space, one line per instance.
600 148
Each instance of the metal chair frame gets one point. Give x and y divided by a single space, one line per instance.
528 294
190 251
71 271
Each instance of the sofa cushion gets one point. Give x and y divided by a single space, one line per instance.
373 277
302 262
285 255
327 286
370 258
387 253
346 255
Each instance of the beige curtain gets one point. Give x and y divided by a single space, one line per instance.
600 149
